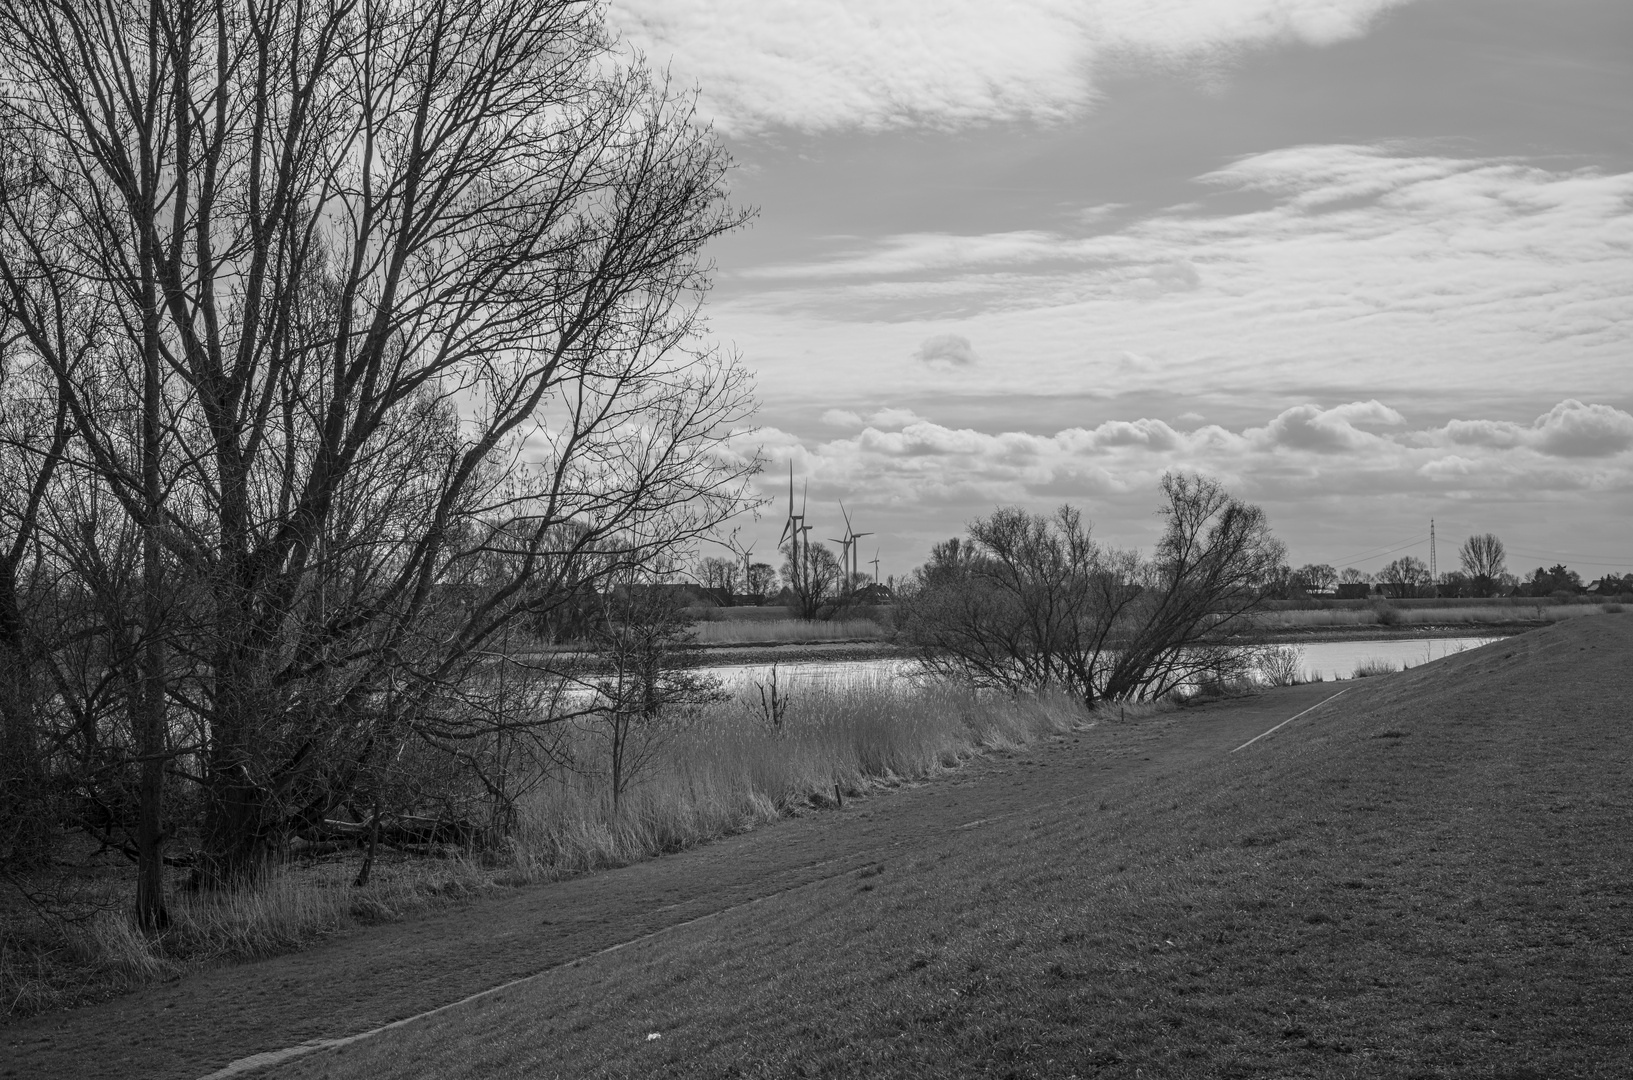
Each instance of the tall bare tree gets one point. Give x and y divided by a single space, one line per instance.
1405 577
400 291
814 577
1485 560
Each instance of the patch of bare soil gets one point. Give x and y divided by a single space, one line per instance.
199 1024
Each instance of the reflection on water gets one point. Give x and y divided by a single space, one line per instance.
1337 659
1327 659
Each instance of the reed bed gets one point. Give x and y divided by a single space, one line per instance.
761 631
725 769
729 769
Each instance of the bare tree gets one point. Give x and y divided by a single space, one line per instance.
1406 576
400 292
1033 602
1484 559
718 573
814 576
644 643
1316 577
34 431
762 579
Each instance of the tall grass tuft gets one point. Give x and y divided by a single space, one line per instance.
1374 665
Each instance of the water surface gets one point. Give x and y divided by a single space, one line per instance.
1327 659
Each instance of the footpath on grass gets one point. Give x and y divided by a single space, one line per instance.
377 975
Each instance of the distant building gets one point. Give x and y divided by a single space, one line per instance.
1359 590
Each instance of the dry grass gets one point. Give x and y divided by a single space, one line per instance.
44 966
729 770
722 772
1374 665
1389 615
762 631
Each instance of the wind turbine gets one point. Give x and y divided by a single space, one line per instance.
794 526
852 567
875 562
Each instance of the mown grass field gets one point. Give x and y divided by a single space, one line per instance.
1424 878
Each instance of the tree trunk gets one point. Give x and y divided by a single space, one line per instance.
374 840
235 851
150 704
25 827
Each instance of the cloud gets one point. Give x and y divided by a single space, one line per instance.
1304 451
1364 267
879 64
952 350
1369 479
1310 427
894 418
841 418
1570 429
883 419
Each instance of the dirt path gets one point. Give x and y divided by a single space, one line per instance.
372 977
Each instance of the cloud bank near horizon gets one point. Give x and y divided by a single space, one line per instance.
873 65
930 478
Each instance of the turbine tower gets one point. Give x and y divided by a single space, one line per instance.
794 530
1434 570
852 550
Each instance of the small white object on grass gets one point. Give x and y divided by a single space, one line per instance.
654 1035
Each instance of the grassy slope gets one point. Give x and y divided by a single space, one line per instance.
1427 878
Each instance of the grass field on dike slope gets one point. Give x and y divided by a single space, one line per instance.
1426 877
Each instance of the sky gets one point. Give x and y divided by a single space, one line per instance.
1367 262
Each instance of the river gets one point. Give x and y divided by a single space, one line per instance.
1328 660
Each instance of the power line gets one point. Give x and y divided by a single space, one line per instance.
1560 558
1618 559
1416 540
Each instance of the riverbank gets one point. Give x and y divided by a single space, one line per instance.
737 765
1423 876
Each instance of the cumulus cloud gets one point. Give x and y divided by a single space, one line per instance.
1570 429
841 418
894 418
878 64
953 350
1373 475
1306 448
1310 427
